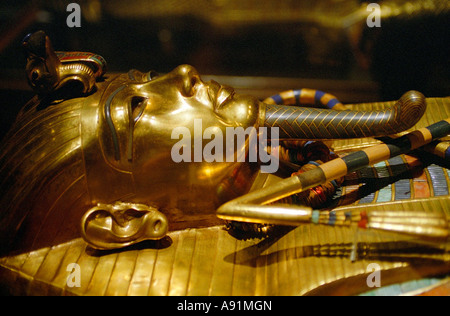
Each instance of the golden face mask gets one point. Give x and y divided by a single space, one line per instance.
135 118
67 160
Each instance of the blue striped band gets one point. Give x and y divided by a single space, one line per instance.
314 163
297 94
99 60
318 96
277 98
332 103
334 183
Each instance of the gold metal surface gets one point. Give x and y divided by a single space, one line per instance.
103 160
109 226
438 109
316 257
48 70
306 123
309 259
125 144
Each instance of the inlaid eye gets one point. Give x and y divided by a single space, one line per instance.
35 75
152 75
138 76
138 105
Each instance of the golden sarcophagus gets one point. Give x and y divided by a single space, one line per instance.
139 183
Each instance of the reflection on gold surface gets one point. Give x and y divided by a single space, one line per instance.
102 159
317 257
209 261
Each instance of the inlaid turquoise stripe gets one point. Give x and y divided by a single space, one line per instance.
438 180
315 216
385 194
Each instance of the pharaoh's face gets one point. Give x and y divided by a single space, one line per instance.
140 116
182 96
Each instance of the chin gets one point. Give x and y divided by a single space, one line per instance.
242 111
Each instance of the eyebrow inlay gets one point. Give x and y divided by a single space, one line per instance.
110 123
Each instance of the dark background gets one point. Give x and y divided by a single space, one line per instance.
260 46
